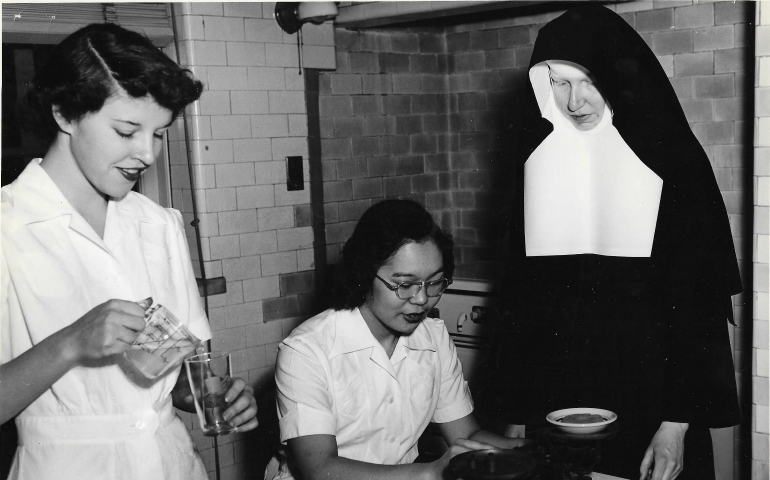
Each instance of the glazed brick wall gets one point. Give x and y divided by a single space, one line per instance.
432 112
761 186
255 233
428 113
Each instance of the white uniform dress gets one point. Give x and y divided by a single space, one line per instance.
101 421
334 378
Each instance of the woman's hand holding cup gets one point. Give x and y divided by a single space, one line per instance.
241 405
107 329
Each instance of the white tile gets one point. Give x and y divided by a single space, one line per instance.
245 53
220 199
268 9
281 262
305 260
761 420
215 102
763 362
211 152
206 8
229 340
298 125
261 288
263 30
208 226
235 174
319 57
295 238
318 34
294 81
192 27
280 55
275 218
199 126
266 78
289 146
258 243
209 53
230 126
224 28
249 102
261 334
239 221
293 197
180 176
243 9
205 176
270 172
269 126
287 102
200 198
252 150
257 196
225 247
241 268
227 78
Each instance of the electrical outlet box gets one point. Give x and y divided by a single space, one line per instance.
295 176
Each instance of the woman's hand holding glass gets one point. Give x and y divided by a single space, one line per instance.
242 407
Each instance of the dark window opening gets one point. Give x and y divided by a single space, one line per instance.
20 62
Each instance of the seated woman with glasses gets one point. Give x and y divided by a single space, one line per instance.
358 384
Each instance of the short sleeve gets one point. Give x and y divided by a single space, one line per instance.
303 399
198 323
455 401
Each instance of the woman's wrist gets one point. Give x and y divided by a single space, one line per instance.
65 347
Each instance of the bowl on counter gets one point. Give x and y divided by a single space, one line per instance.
581 421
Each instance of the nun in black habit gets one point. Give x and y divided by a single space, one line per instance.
621 264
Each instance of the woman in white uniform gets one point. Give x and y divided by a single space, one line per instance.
359 383
79 251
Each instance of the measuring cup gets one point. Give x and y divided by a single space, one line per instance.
163 343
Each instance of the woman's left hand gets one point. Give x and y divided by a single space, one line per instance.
663 459
242 409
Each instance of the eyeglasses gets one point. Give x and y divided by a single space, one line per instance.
407 290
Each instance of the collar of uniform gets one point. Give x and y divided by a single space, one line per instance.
352 335
36 197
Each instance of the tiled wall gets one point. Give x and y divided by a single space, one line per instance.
428 113
425 113
761 362
255 233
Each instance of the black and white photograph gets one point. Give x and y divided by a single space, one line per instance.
385 240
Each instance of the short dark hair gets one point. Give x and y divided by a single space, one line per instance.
383 229
85 69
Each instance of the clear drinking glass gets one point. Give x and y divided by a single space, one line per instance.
163 343
210 378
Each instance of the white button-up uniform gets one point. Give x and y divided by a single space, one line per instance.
334 378
103 420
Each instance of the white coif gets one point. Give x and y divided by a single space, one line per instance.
586 191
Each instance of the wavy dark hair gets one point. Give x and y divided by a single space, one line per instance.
383 229
86 68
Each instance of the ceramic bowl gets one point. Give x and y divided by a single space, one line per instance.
557 418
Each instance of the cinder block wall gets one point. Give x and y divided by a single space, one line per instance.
254 232
428 113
